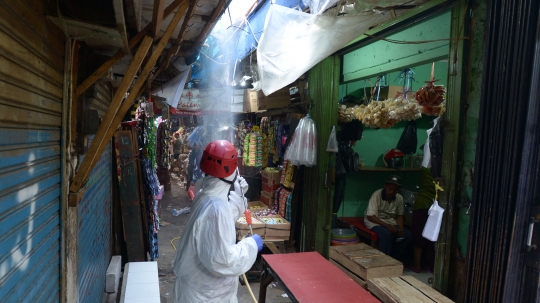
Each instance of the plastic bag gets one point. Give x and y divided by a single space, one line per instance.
408 140
332 146
286 48
433 224
303 147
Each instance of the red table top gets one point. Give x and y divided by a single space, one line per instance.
312 278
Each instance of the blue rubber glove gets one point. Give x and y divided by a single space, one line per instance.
259 241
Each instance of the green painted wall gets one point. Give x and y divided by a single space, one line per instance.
360 185
383 57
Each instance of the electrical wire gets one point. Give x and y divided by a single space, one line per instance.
172 242
413 42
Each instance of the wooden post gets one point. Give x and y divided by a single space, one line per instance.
99 142
120 53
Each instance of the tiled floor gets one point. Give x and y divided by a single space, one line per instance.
423 276
142 283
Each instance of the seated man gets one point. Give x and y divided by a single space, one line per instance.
384 215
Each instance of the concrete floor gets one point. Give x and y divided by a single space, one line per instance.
171 228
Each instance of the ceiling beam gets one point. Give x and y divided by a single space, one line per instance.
157 18
132 10
108 127
120 23
100 140
213 17
120 53
175 45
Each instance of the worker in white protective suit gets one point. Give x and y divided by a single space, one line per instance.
208 261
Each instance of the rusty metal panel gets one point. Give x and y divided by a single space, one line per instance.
31 72
95 228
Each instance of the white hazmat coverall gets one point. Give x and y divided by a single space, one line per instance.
208 262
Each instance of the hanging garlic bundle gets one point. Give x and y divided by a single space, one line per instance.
345 114
431 97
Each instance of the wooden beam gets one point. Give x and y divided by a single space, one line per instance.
132 10
157 18
210 23
175 45
100 140
105 131
74 78
120 23
120 53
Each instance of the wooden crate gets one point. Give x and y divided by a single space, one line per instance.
365 262
404 289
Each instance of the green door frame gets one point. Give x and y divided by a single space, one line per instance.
452 120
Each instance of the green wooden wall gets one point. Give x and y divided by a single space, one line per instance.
384 57
360 185
323 90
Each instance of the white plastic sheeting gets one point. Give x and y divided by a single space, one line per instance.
172 90
293 42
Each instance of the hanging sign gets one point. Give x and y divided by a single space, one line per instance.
205 99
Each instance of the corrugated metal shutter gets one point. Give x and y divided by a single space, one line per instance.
95 229
31 86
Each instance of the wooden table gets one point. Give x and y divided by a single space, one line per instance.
308 277
404 289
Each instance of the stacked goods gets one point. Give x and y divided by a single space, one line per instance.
253 148
242 227
343 237
282 199
276 227
270 181
431 97
287 175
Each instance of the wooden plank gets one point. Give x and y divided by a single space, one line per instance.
380 289
120 54
157 18
410 291
364 253
75 198
120 23
377 267
428 291
272 247
353 247
101 138
132 9
354 277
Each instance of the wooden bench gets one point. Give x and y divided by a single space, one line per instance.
357 224
404 289
361 262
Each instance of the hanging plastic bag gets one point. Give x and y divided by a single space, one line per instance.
408 140
332 146
433 224
303 147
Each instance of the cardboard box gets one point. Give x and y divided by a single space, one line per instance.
278 99
257 205
242 228
267 198
251 100
271 189
277 230
270 178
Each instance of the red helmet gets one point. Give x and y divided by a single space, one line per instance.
393 158
219 159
